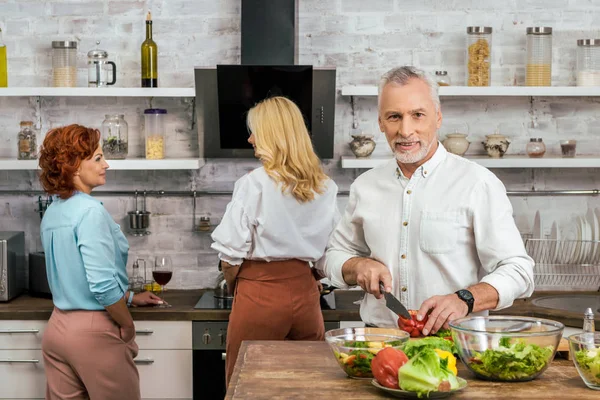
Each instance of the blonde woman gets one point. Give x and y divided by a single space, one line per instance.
278 221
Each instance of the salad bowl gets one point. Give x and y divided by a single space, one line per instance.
506 348
355 348
585 348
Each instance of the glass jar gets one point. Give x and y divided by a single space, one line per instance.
442 78
26 141
64 64
539 56
535 148
115 136
154 119
479 55
588 62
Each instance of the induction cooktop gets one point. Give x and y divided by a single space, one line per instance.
211 300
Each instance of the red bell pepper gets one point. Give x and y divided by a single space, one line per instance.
412 326
385 366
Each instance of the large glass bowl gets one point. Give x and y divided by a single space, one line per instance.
354 348
506 348
585 352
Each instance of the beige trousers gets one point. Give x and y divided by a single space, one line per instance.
85 358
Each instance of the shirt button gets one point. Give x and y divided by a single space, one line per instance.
404 288
403 256
405 223
408 191
425 172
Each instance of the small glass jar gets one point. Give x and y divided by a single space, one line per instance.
535 148
568 148
64 64
588 62
442 78
115 137
27 142
479 55
154 119
539 56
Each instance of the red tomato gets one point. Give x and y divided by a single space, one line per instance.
385 366
412 326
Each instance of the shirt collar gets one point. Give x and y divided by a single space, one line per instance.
78 193
429 166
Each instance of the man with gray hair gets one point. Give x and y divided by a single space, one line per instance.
434 228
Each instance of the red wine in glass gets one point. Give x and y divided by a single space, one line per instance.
162 277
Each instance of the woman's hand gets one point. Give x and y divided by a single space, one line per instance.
146 299
127 333
230 272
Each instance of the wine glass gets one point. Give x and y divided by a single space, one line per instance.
162 273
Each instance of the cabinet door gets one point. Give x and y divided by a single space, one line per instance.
165 374
21 334
164 334
22 374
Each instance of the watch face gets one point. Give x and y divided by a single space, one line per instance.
465 295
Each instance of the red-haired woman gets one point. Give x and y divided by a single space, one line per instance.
89 344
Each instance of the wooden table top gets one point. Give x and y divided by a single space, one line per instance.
307 370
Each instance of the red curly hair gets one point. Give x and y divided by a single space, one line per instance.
61 155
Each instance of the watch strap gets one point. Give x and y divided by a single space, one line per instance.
130 299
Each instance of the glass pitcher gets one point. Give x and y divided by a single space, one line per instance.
98 67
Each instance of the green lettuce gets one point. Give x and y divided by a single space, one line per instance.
516 361
412 347
589 364
424 373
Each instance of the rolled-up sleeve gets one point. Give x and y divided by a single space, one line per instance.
233 237
346 241
499 245
97 248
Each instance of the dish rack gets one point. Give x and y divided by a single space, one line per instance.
565 264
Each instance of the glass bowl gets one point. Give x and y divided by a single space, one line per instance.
585 351
354 348
506 348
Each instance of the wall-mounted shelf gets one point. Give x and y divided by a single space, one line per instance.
449 91
128 164
505 162
96 92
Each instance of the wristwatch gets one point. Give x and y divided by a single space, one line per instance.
467 297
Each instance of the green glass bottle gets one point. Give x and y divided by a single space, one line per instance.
149 57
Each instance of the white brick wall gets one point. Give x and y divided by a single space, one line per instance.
362 39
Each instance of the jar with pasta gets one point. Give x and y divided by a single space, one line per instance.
154 119
64 63
479 55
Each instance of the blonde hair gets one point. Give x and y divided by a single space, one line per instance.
285 149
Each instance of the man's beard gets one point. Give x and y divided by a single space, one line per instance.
412 158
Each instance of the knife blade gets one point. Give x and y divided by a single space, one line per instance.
394 304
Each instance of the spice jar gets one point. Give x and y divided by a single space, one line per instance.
535 148
64 64
442 78
26 140
539 57
154 119
568 148
479 55
588 62
115 137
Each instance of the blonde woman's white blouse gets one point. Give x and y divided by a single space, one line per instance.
262 223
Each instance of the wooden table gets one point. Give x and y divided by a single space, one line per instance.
308 370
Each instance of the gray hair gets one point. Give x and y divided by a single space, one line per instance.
401 76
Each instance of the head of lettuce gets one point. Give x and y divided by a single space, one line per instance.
427 372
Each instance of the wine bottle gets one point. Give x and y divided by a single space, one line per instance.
149 57
3 63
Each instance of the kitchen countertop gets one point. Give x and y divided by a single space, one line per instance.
308 370
26 307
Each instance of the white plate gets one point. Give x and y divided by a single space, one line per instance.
554 250
538 229
586 236
593 221
569 232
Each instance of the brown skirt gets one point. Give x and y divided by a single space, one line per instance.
277 300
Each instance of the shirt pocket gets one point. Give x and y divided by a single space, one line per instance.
439 231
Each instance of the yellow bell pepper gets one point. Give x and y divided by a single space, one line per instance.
446 355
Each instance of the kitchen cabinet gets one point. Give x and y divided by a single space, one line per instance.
164 361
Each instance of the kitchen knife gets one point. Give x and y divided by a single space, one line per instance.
394 304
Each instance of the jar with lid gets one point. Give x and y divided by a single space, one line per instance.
154 119
535 148
539 56
115 137
64 64
26 141
479 55
442 78
588 62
